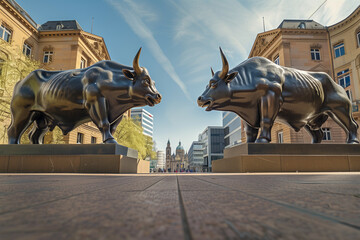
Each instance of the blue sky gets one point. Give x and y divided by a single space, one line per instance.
180 41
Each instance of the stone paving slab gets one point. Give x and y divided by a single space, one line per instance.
180 206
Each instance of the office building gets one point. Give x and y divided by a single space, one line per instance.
160 159
212 139
196 158
146 120
232 128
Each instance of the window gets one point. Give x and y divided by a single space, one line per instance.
277 60
315 54
344 78
82 63
348 93
302 25
27 50
93 139
327 134
80 138
280 137
47 57
339 50
358 38
5 33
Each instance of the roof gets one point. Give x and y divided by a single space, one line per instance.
302 24
23 13
179 147
60 25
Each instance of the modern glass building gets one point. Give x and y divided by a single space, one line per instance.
196 159
212 139
161 159
145 118
232 128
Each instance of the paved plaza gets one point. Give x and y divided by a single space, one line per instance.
180 206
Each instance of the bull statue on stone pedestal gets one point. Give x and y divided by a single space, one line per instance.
260 91
101 93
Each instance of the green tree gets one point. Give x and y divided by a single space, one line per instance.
130 134
14 66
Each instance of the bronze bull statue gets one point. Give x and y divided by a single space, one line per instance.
101 93
260 91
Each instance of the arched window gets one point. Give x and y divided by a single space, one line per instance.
358 38
302 25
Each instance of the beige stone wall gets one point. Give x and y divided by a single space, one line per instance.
345 32
293 48
68 47
22 31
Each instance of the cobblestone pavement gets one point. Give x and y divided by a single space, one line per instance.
180 206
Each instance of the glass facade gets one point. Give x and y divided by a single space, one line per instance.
232 128
213 145
196 159
145 118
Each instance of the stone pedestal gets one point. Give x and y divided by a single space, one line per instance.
70 158
272 157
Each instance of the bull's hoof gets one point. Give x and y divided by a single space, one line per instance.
110 140
262 140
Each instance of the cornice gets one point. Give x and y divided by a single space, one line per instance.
18 16
347 20
91 47
275 32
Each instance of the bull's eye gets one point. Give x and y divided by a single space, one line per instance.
213 84
146 82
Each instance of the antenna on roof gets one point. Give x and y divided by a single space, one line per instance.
264 24
92 23
317 9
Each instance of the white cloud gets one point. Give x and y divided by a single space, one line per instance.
133 18
202 26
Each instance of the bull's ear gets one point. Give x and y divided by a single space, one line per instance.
230 76
128 74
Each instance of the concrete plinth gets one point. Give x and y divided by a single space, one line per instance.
70 158
254 157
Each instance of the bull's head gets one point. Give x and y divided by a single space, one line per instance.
217 92
143 87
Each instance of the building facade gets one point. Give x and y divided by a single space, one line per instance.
345 50
305 45
232 128
161 161
58 45
196 158
145 119
212 139
177 161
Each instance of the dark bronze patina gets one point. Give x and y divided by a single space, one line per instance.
101 93
260 91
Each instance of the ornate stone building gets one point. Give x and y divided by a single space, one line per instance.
59 45
177 161
301 44
345 49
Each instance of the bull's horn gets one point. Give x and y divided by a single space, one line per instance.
225 67
212 71
136 66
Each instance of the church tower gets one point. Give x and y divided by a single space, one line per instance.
168 155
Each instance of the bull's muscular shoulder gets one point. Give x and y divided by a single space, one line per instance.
258 72
111 66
